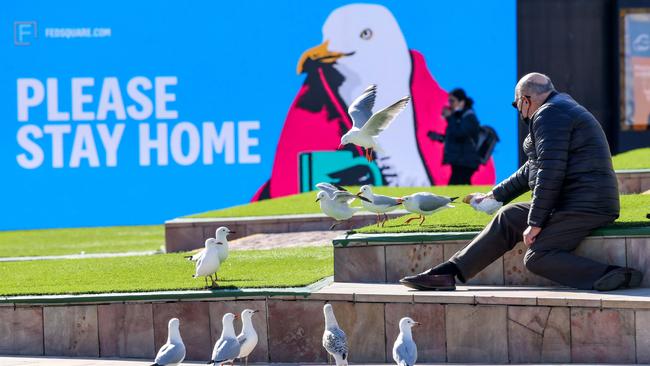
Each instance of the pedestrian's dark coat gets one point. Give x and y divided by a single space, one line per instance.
461 137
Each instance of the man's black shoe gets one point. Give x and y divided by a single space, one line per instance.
427 282
619 278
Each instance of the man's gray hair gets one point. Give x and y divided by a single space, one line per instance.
535 84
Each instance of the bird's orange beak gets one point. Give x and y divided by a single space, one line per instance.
237 316
319 53
399 201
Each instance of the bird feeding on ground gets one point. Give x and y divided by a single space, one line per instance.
405 351
208 263
366 125
335 202
227 348
334 339
378 204
173 351
424 204
248 337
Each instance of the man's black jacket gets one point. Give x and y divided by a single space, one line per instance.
569 165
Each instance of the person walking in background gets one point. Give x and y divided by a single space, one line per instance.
461 137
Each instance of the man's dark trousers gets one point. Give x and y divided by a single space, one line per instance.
549 256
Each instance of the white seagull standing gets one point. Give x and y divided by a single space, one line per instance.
405 352
222 236
172 352
334 339
366 125
208 263
248 337
425 203
335 202
378 204
227 348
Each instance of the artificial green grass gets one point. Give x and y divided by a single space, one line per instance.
634 208
114 239
633 159
304 203
244 269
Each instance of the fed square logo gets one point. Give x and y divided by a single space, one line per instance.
25 32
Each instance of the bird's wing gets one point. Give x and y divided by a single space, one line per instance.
335 342
381 200
170 354
382 119
343 196
432 202
407 353
361 108
197 256
227 350
329 188
241 338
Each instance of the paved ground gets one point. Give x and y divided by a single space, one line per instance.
29 361
285 240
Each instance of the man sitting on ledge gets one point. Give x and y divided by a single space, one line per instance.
574 191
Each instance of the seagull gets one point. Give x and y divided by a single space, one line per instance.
248 337
334 339
405 352
378 204
425 203
335 202
367 126
226 350
172 352
221 236
209 263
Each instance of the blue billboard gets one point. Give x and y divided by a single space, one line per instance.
134 112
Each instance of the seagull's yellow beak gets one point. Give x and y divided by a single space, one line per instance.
319 53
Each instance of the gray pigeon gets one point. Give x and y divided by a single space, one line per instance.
405 352
334 339
172 352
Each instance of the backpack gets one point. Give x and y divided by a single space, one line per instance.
487 139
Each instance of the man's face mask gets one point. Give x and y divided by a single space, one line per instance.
521 112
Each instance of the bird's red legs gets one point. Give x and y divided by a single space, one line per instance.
412 218
422 222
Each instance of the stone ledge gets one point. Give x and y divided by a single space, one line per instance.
184 234
385 258
614 231
633 180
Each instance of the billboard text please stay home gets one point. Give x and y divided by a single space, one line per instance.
125 113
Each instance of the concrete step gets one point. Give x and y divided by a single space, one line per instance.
486 324
385 258
497 324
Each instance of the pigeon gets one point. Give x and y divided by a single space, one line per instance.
172 352
227 348
334 339
366 125
335 202
405 352
424 204
208 263
487 205
378 204
248 337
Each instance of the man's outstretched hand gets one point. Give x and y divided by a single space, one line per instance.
530 234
